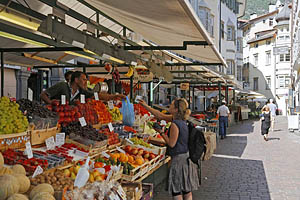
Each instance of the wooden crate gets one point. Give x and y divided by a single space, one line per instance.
39 136
97 126
133 190
14 141
101 146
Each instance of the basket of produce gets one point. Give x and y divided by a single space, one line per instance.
13 125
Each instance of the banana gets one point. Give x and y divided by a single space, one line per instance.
130 71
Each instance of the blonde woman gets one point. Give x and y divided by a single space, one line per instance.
183 176
265 122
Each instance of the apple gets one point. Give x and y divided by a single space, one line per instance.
146 155
128 148
73 176
55 102
141 151
152 156
134 151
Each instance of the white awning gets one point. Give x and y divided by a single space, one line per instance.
164 22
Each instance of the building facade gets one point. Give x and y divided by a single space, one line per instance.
267 54
220 18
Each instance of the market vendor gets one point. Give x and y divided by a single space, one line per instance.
73 90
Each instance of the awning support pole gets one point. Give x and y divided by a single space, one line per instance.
113 91
233 97
204 91
226 94
2 74
193 99
131 88
220 93
189 101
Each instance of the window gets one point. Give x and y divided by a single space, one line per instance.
281 57
268 42
230 33
255 83
280 38
287 81
255 60
264 21
230 69
281 81
268 82
211 26
271 22
207 20
287 37
256 45
222 29
288 56
268 57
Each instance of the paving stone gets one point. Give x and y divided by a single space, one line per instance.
246 166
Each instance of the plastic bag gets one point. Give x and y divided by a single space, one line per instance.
128 112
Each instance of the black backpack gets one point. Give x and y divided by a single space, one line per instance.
197 143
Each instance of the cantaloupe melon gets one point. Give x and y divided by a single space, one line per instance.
44 187
9 186
43 196
5 170
1 160
17 197
24 182
19 169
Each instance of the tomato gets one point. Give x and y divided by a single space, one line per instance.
98 165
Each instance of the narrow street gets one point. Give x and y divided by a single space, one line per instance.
245 166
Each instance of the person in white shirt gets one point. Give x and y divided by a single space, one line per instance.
273 109
223 112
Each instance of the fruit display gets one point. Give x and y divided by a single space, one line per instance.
115 113
34 108
12 119
87 132
42 191
117 159
57 179
130 72
133 151
138 141
140 110
9 186
103 115
113 138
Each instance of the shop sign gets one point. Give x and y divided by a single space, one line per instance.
184 86
142 74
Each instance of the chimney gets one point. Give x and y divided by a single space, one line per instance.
272 7
253 16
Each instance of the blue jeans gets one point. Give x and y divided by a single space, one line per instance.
223 123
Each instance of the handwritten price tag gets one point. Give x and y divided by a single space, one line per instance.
60 139
111 128
82 98
163 123
50 143
96 96
82 121
63 99
29 150
121 150
105 155
30 94
37 171
111 105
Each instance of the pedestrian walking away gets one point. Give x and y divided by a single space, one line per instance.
273 109
183 175
223 112
265 122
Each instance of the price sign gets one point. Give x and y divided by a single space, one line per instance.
105 155
37 171
111 128
129 141
130 136
109 175
82 121
111 105
82 98
50 143
163 123
121 150
30 94
29 150
96 96
63 99
60 139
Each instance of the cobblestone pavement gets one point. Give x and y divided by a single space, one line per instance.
245 166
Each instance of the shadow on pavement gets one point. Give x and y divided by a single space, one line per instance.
239 143
273 138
